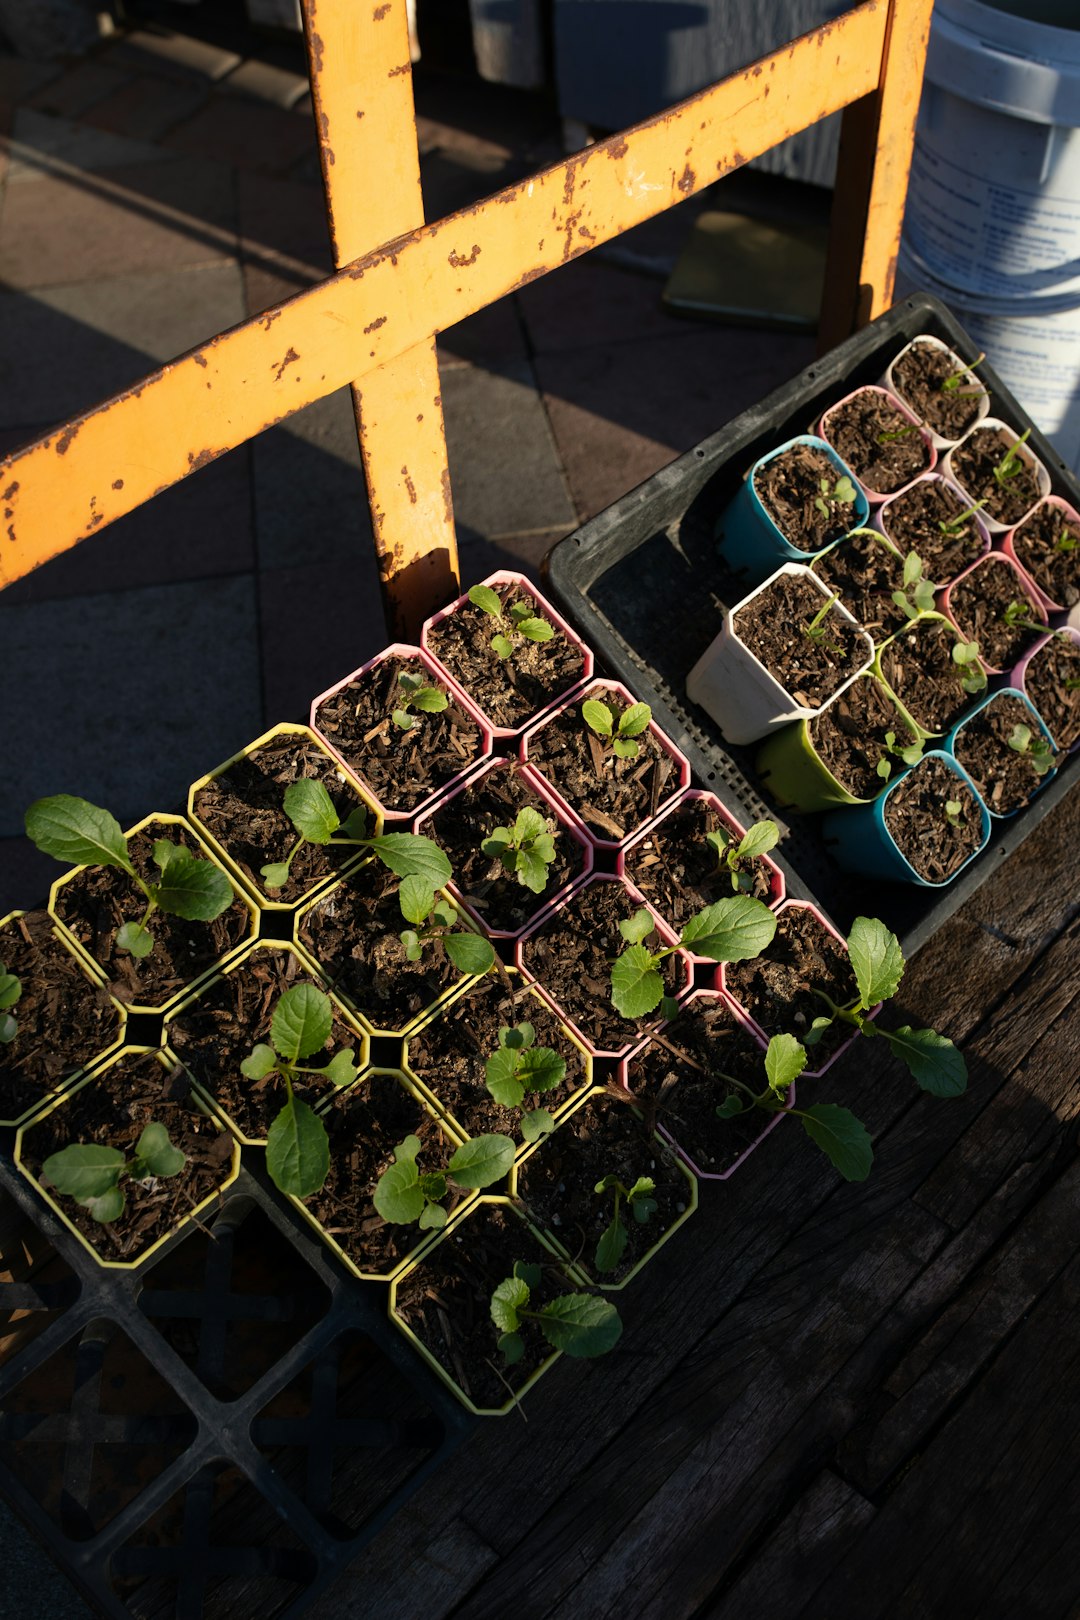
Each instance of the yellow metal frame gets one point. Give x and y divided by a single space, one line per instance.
399 281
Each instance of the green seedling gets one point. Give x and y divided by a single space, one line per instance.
731 930
525 849
1073 684
311 810
435 922
909 755
841 1137
1066 542
965 655
73 830
953 384
1012 462
878 965
620 731
917 593
640 1203
10 991
91 1174
519 620
843 491
958 524
897 433
297 1146
579 1324
518 1066
415 695
954 813
1017 616
1032 745
817 628
756 840
405 1194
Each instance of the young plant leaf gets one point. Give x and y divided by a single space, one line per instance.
511 1346
84 1170
399 1197
535 1124
191 888
481 1161
261 1062
341 1070
10 989
469 952
411 855
155 1154
75 831
416 898
934 1062
581 1324
301 1023
876 960
636 985
634 720
432 1218
535 629
501 646
636 929
785 1060
429 700
311 810
502 1077
624 748
541 1069
759 839
609 1250
8 1029
135 939
843 1138
297 1148
108 1207
410 941
507 1300
275 874
597 716
731 1107
532 869
730 930
483 597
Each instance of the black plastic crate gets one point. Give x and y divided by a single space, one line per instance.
644 583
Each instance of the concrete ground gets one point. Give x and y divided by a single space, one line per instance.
164 189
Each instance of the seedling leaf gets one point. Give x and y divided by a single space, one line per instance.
609 1250
411 855
262 1060
341 1070
108 1207
842 1138
634 720
876 960
429 700
297 1148
75 831
503 647
311 810
481 1161
432 1218
135 939
581 1324
636 929
597 716
301 1023
507 1300
730 930
759 838
785 1060
10 989
536 1124
155 1155
416 898
541 1069
624 748
84 1170
191 888
398 1196
469 953
512 1346
275 874
933 1060
482 596
636 985
535 629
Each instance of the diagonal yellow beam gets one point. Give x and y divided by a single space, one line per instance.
108 461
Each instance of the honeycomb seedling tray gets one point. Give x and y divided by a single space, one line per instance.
645 584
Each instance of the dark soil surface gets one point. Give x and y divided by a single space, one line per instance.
354 934
866 573
446 1302
978 604
242 808
403 768
572 956
1005 778
365 1125
1036 543
64 1020
1045 682
850 737
679 871
100 899
789 488
218 1031
973 464
777 987
860 431
918 377
915 816
679 1078
448 1056
113 1111
462 825
604 1137
508 691
773 627
919 667
613 796
912 520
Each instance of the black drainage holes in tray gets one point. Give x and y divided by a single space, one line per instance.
347 1433
90 1428
217 1550
233 1300
36 1284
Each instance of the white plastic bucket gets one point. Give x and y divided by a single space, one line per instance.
993 210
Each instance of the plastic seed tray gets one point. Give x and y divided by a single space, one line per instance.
644 582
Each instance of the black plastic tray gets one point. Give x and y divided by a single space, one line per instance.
644 582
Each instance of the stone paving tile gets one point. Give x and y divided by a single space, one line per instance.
319 623
282 219
201 528
43 146
159 50
453 180
620 411
177 213
265 82
504 466
493 336
591 302
248 134
265 288
125 698
147 108
78 88
68 347
310 495
522 552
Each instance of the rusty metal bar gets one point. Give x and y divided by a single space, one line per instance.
380 307
361 86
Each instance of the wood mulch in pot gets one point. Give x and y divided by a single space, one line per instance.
849 736
64 1020
557 1183
919 667
1038 542
612 796
773 626
913 522
793 487
449 1055
777 987
678 870
221 1027
978 604
98 900
509 691
112 1110
1046 682
915 815
403 768
882 447
974 462
1005 778
866 573
920 375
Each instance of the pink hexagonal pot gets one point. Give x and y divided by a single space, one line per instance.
995 559
1009 549
875 497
